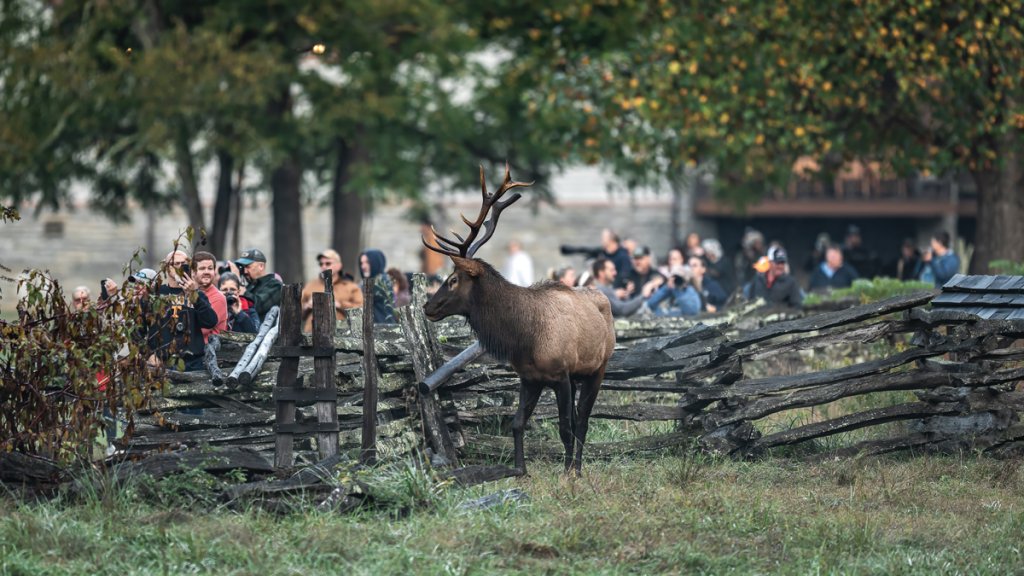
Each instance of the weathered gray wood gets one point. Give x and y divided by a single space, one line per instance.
906 411
288 371
878 447
246 435
210 360
368 451
209 418
439 376
217 460
256 364
268 323
774 384
426 360
16 467
765 405
324 319
830 319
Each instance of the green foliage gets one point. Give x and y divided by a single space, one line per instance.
863 290
1007 267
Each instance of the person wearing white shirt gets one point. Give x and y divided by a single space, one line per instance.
519 266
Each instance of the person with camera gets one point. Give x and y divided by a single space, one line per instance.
264 288
242 315
939 263
184 312
206 271
677 297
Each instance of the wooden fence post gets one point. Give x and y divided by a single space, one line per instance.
368 454
287 374
326 407
426 359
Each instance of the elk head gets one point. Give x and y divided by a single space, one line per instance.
453 297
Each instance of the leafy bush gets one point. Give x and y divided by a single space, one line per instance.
52 360
864 290
1007 267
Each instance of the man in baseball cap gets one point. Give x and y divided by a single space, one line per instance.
263 287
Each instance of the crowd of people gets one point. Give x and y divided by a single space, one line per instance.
207 296
200 297
698 278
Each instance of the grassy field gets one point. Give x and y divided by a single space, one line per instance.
665 514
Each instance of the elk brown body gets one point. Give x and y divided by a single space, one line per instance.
552 335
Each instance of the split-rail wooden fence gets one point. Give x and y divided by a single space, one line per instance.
956 372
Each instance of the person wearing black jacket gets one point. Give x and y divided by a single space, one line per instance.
776 286
184 311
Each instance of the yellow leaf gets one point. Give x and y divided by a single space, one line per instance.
674 67
759 139
724 118
799 131
826 86
693 67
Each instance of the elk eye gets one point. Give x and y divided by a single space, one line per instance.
453 282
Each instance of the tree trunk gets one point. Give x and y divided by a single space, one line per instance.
187 175
348 205
223 205
287 204
1000 234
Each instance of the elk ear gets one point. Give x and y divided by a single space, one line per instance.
468 265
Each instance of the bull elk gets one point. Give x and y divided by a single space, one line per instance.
552 335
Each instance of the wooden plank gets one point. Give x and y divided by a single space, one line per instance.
773 384
214 461
761 407
830 319
288 371
324 320
906 411
426 360
368 449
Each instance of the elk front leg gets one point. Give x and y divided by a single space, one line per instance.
529 394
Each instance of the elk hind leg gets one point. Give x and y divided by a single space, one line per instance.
564 396
529 394
589 388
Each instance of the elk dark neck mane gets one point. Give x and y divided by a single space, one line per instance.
507 316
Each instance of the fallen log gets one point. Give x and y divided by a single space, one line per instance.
214 461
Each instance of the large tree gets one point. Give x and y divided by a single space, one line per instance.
748 86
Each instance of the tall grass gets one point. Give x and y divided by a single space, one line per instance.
666 514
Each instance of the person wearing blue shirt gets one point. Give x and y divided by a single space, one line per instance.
833 272
682 298
939 263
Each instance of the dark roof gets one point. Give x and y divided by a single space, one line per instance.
988 297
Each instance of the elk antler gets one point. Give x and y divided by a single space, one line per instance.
465 247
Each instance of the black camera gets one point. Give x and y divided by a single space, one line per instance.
231 299
186 269
179 327
103 290
587 251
